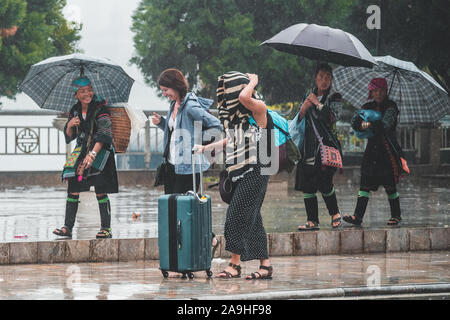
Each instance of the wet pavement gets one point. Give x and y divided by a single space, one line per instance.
31 214
293 277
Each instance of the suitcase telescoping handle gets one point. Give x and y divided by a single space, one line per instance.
193 173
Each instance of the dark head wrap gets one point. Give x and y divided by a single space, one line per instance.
377 83
80 82
231 111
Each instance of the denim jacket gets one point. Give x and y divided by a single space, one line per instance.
193 121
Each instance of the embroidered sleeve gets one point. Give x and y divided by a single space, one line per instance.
386 123
356 122
330 111
336 104
104 129
74 135
389 118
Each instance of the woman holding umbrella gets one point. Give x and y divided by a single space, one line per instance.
320 110
382 160
92 162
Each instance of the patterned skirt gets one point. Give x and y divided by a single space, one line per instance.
244 231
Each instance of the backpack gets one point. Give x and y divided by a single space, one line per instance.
288 152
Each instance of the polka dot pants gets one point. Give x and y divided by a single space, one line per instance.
244 231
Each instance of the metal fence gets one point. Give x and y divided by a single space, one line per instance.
445 138
50 141
34 140
406 135
47 140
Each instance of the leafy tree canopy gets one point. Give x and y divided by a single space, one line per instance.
205 38
411 30
30 31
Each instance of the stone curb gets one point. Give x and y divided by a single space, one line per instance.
337 292
324 242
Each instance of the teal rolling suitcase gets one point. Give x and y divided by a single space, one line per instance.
185 232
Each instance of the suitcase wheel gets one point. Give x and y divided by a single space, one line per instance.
165 274
209 273
185 275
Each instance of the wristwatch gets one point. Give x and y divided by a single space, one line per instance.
93 153
319 106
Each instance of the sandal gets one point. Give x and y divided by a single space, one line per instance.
63 232
352 219
394 222
333 221
214 247
309 226
104 234
260 276
228 274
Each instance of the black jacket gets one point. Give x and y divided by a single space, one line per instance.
383 152
98 116
325 123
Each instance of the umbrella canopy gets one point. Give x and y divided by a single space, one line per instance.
419 97
322 43
48 82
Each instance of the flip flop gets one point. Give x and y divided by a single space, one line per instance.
215 247
228 275
63 233
267 276
308 227
333 221
352 219
394 222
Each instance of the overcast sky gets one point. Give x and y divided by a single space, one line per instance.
106 33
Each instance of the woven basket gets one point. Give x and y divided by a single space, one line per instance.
121 128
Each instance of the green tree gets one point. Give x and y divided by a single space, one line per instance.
41 32
207 38
411 30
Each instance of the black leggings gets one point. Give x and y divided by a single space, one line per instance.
315 179
179 183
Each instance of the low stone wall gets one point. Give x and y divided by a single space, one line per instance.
325 242
147 177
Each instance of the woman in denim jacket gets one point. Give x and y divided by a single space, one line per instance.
183 127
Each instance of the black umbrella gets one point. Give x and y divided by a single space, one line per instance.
322 43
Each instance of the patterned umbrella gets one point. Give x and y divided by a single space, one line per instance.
419 97
48 82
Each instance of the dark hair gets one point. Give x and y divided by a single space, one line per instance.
323 67
326 68
174 79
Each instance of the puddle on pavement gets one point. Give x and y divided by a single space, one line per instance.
31 214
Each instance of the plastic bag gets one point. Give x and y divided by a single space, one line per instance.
297 131
137 117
